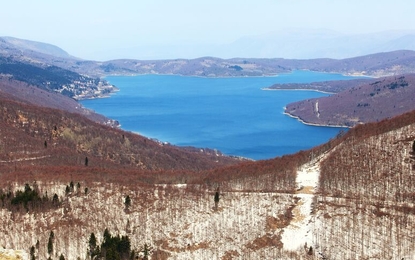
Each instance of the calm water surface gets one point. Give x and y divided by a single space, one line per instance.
232 115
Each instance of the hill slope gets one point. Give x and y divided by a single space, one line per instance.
27 46
366 186
380 64
368 102
360 186
20 91
59 138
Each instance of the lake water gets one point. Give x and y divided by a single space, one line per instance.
232 115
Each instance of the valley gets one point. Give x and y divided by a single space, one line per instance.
73 185
250 220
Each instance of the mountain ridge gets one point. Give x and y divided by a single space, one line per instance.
34 46
388 63
293 43
361 102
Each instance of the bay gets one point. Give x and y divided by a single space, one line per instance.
233 115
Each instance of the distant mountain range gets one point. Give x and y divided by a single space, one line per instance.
29 48
52 69
43 55
287 44
379 64
313 44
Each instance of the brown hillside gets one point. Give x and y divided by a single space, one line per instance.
32 135
377 64
377 156
364 202
370 102
367 193
25 93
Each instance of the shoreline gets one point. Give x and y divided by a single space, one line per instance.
276 74
297 89
195 76
313 124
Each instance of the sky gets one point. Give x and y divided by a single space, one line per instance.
106 29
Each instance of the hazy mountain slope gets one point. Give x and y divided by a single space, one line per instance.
27 46
380 64
369 102
293 43
311 44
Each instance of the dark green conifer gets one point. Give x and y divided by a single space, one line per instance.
32 253
216 199
55 200
127 201
92 250
50 243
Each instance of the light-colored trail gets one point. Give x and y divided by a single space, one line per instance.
298 232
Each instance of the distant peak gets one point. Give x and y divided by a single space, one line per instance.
40 47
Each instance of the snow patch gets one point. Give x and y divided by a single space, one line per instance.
11 254
298 233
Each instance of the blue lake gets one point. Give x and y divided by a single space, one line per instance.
232 115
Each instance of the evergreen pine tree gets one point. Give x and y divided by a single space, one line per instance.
32 253
50 242
127 201
67 190
92 245
55 200
216 199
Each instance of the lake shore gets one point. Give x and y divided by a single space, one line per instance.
231 115
297 89
313 124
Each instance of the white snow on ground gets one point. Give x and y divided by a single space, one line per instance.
298 233
11 254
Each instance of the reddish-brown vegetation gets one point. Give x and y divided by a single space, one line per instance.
373 162
34 135
20 91
366 192
369 102
38 141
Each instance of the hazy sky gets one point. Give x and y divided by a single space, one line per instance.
99 29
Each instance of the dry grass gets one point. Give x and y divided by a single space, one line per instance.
265 241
